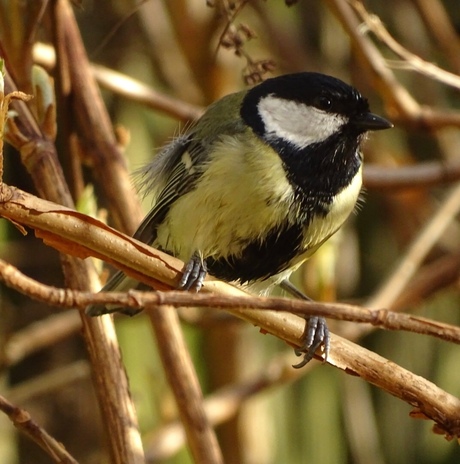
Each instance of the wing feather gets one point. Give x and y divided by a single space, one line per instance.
170 177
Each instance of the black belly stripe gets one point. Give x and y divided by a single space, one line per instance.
260 259
317 174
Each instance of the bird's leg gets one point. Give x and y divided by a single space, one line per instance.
192 278
316 331
194 274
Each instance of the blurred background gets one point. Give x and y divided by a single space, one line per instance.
196 51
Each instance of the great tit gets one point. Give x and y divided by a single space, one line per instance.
256 185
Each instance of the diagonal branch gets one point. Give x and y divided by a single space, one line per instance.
411 61
24 422
153 267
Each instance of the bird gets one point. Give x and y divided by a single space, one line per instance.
256 185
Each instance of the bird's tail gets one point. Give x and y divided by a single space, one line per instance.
119 282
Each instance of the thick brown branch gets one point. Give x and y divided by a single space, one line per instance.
137 257
82 235
38 154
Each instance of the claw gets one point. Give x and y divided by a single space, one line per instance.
316 334
316 331
194 274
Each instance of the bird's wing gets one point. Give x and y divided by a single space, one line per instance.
170 176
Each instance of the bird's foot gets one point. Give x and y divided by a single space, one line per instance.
316 334
194 274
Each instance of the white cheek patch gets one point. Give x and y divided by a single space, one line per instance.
296 122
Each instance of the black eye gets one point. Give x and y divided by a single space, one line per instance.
323 103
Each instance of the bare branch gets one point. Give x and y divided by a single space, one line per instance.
24 423
128 87
421 175
184 383
411 60
39 335
411 261
344 354
81 235
49 382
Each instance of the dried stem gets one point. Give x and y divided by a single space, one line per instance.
128 87
38 154
95 125
184 383
25 424
39 335
65 298
439 25
421 175
344 354
412 260
411 60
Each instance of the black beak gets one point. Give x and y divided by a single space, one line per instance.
371 122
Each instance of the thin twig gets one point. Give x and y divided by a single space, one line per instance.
128 87
38 335
390 290
421 175
413 61
49 382
438 275
224 404
440 26
400 104
36 23
432 401
397 99
24 423
66 298
137 91
97 238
